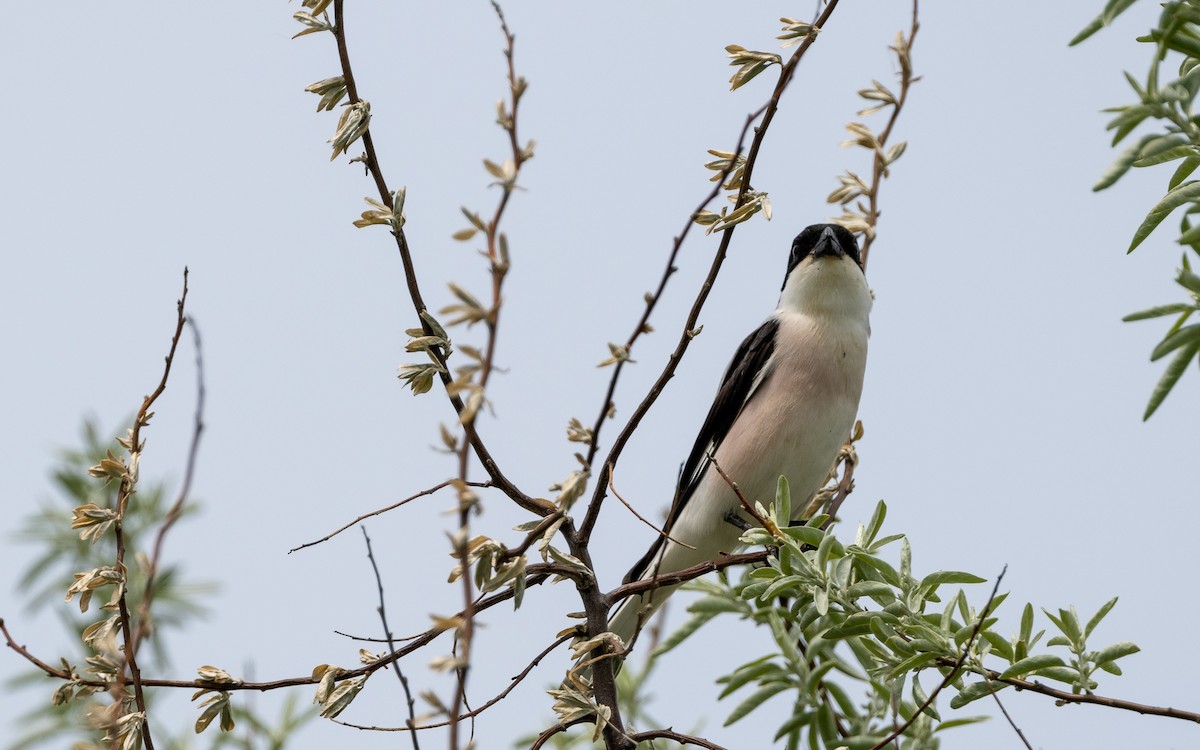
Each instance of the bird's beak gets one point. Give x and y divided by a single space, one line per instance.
827 244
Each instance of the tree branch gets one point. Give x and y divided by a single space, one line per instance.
387 631
143 623
503 483
126 491
951 675
767 113
516 680
393 506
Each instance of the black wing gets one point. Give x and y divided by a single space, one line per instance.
746 367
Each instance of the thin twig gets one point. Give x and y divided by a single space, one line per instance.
474 712
531 537
387 631
549 732
683 576
538 575
500 481
952 674
652 299
613 489
621 592
746 506
498 266
845 486
1012 723
393 506
143 619
767 114
879 166
670 734
135 449
603 680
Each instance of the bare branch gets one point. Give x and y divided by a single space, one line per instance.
387 631
613 489
746 505
670 734
143 619
503 483
1012 723
880 164
127 487
393 506
767 114
516 680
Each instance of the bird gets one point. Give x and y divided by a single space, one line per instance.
785 406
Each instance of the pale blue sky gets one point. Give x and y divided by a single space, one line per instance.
1003 400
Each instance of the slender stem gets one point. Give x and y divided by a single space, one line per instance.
387 632
372 162
1012 723
516 680
952 674
767 114
906 81
126 491
393 506
143 617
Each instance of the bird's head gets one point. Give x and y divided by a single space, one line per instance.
825 273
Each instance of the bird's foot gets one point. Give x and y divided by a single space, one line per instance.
735 519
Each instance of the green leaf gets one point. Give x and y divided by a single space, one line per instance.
805 534
1122 164
793 724
1001 646
793 585
1185 168
913 663
683 632
1032 665
975 691
1191 235
1185 193
1158 312
872 528
858 623
1111 668
1182 337
870 588
1069 675
886 571
1177 41
883 542
1188 280
750 672
1114 652
1113 9
756 699
783 500
1129 119
952 723
1100 614
1161 156
1169 377
830 546
934 580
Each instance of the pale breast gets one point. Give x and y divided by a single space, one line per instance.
801 413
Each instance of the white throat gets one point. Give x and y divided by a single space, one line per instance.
827 287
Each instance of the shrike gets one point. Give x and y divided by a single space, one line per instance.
785 407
